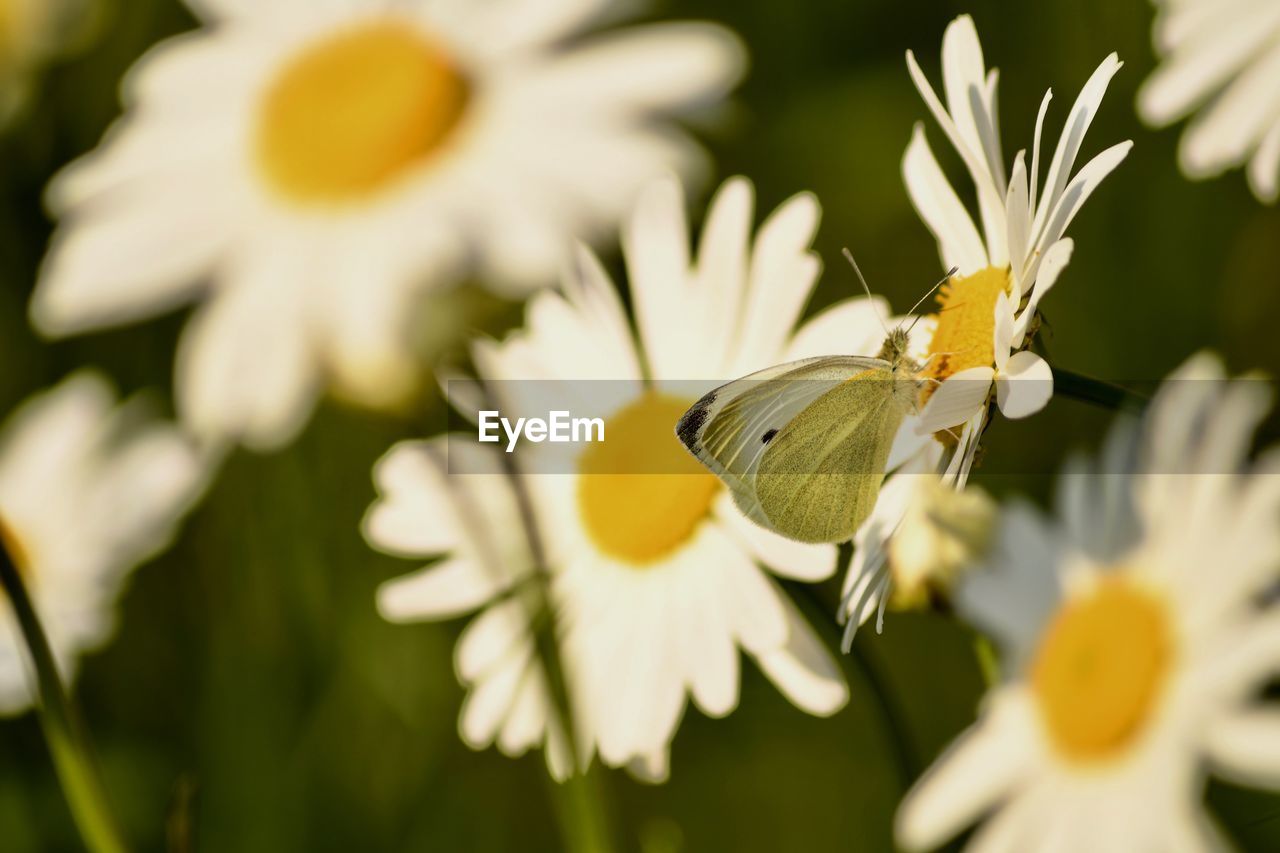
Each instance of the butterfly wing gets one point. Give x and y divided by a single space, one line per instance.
820 476
730 428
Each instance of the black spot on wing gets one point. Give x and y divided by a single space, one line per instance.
768 436
691 424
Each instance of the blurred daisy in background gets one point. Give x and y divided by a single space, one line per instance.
658 579
88 490
1134 639
427 507
976 343
1220 61
345 157
31 33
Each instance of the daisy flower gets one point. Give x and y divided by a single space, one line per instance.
1220 60
88 490
31 33
658 580
976 343
306 170
1134 639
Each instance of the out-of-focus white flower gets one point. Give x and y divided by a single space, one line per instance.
88 490
943 532
1220 60
428 507
976 343
31 32
658 579
1134 640
306 170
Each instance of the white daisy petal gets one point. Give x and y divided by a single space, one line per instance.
1264 167
1245 747
804 670
451 588
527 720
1018 213
982 767
1045 274
486 707
254 330
1220 59
648 68
512 25
713 656
1078 191
1064 155
152 475
89 488
411 519
1002 331
938 205
1223 133
1192 74
127 262
1013 599
956 400
657 251
1024 386
963 72
723 259
990 196
1034 192
850 327
758 608
492 640
783 273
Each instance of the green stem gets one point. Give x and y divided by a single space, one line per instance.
988 660
67 742
1098 392
580 800
892 714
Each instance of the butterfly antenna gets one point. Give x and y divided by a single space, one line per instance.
849 256
946 278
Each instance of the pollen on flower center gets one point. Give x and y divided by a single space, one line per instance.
641 517
966 323
355 111
1100 667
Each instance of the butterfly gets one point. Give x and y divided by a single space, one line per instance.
803 446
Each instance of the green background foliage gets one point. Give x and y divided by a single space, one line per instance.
254 701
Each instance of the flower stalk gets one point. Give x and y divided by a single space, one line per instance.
580 801
1097 392
68 744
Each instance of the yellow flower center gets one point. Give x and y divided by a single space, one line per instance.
639 518
1100 667
8 26
13 547
966 324
355 111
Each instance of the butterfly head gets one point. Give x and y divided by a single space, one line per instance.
896 344
906 371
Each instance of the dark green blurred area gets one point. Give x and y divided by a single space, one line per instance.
254 693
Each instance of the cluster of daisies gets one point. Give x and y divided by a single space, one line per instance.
308 173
